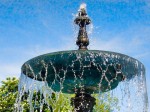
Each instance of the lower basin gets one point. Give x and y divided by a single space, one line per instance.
87 70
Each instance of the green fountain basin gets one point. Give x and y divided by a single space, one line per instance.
89 70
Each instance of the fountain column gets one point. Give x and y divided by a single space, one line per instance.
83 101
82 20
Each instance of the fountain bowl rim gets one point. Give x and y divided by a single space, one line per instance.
69 51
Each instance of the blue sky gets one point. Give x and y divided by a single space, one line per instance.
29 28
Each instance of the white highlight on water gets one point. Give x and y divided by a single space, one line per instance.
83 6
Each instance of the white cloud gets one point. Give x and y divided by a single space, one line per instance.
119 44
13 69
143 55
9 70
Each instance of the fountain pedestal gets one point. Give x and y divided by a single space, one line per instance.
83 102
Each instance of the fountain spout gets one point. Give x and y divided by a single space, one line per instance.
82 20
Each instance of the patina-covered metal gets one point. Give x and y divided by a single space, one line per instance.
83 102
82 20
96 70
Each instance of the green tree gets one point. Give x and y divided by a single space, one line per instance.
8 94
9 91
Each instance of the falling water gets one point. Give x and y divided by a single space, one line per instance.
130 95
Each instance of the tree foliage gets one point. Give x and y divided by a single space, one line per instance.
8 94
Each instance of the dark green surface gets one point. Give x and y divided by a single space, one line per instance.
87 66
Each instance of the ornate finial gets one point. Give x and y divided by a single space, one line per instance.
82 20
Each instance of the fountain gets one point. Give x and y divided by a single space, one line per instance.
83 72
